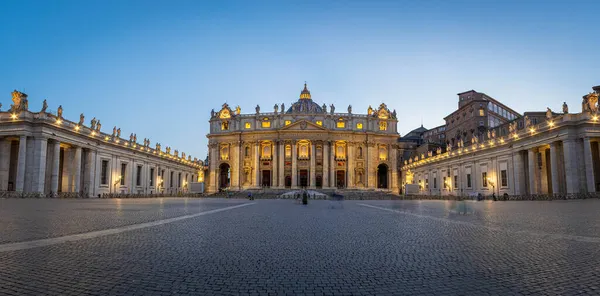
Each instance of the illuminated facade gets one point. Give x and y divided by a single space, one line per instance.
541 153
303 146
44 154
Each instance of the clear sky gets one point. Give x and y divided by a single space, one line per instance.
157 68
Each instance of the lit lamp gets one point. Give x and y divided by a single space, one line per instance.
14 116
58 121
77 127
595 118
493 185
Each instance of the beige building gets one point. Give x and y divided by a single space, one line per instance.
44 154
306 145
555 155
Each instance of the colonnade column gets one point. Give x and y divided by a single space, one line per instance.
281 163
332 169
531 166
313 169
77 171
554 168
294 166
325 165
39 164
350 166
90 174
256 165
55 167
20 180
394 160
5 156
570 162
518 173
275 161
589 165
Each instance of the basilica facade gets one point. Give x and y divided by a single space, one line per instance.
306 145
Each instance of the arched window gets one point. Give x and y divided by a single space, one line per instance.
288 151
266 151
224 125
247 151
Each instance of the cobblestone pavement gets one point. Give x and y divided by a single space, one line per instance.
278 247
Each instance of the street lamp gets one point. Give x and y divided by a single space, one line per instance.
491 182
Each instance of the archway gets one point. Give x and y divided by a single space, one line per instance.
382 176
224 176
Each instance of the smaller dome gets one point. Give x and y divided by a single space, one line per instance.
305 94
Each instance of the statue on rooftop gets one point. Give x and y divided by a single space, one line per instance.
59 112
276 108
238 110
565 108
370 110
394 114
282 107
98 126
332 108
20 102
93 123
157 146
349 109
527 121
81 119
118 132
44 106
114 134
548 114
212 113
257 109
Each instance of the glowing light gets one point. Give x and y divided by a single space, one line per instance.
93 133
106 138
551 123
515 136
125 143
77 127
14 116
532 130
595 118
58 121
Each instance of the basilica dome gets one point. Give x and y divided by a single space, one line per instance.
305 104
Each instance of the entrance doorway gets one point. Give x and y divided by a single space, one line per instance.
266 178
303 178
319 181
224 176
340 179
288 181
382 176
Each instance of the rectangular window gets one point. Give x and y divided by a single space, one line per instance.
468 180
123 170
138 176
247 125
179 181
266 124
341 124
504 178
455 181
151 177
481 112
426 182
359 126
484 179
434 183
171 180
104 173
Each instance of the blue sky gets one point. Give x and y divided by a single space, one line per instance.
157 68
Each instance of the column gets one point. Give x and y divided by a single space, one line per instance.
589 165
326 164
281 164
4 163
531 166
294 166
394 157
350 166
39 164
332 169
20 180
544 186
77 171
372 160
518 174
234 160
554 168
570 163
313 169
275 165
256 165
213 186
55 167
90 174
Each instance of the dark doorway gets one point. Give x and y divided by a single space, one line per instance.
340 179
266 178
382 176
224 176
288 181
319 181
303 178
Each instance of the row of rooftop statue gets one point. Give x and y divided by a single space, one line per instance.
20 103
306 108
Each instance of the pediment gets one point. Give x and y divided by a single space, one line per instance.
303 125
